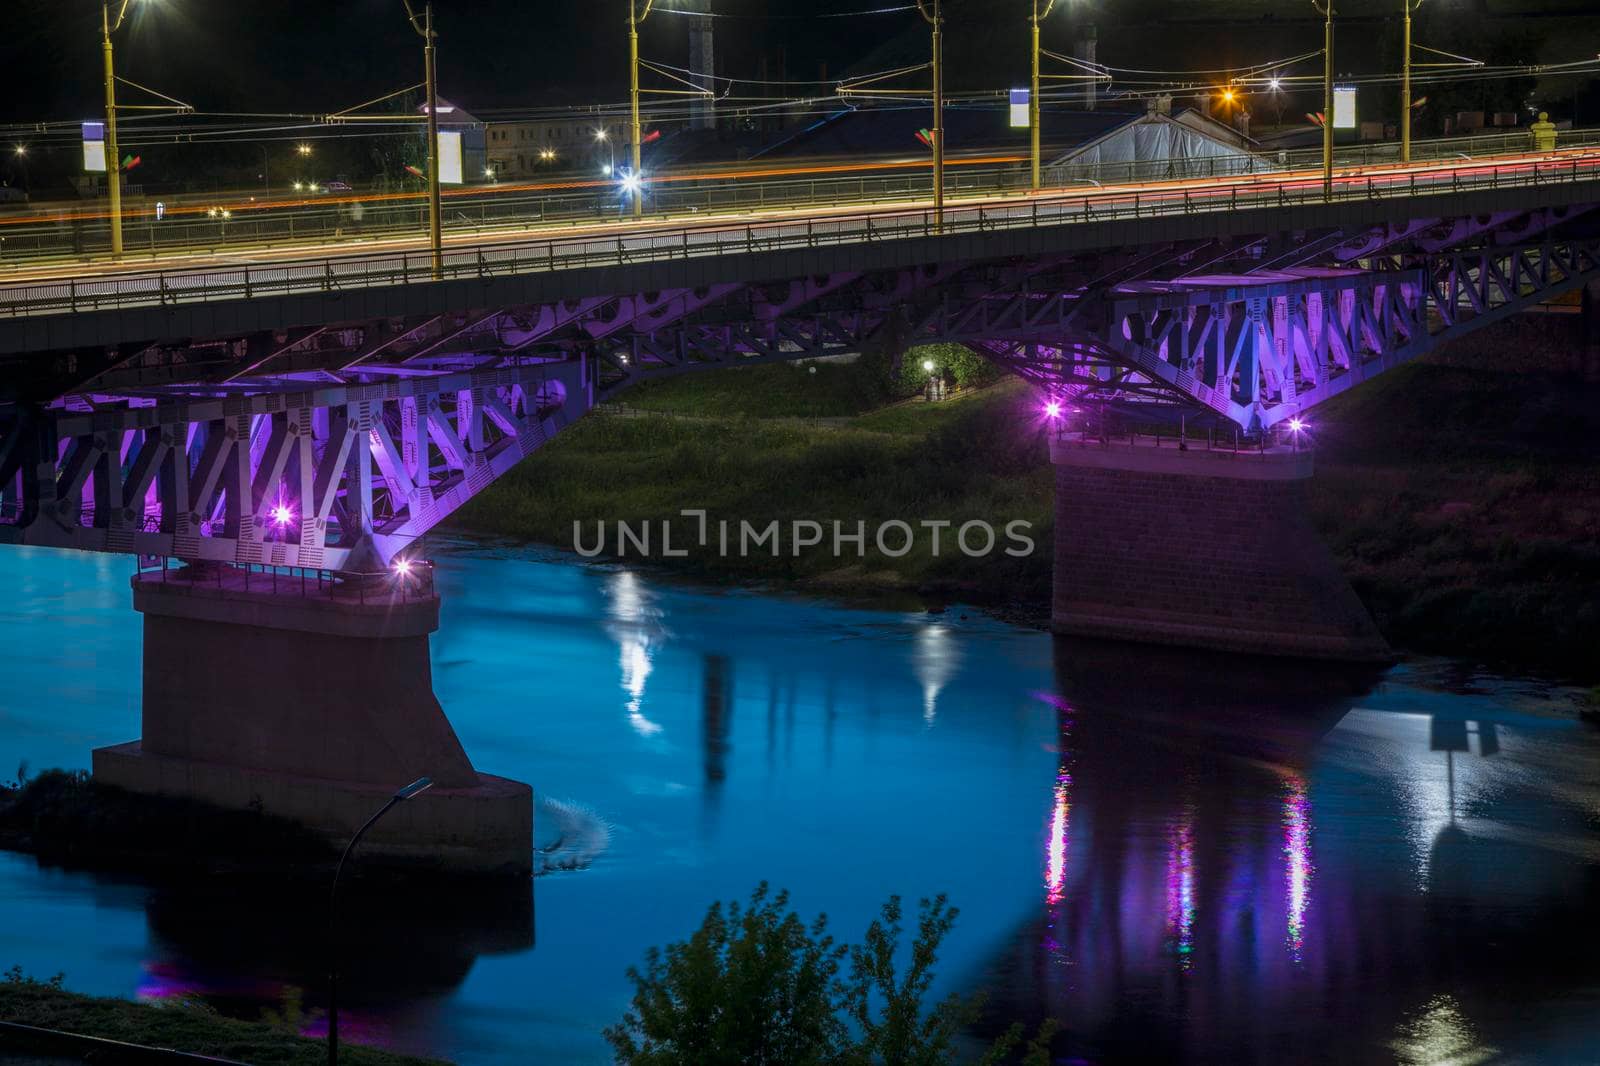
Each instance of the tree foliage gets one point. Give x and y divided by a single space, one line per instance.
756 985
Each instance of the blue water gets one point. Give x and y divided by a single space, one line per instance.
1181 857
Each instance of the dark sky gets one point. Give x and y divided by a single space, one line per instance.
323 55
319 56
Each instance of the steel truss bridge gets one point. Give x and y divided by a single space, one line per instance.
326 412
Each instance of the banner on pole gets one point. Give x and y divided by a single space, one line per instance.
1344 107
94 147
450 169
1020 111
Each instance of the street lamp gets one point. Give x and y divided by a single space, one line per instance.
1325 9
636 16
935 19
1033 94
108 26
1405 86
416 788
303 149
430 75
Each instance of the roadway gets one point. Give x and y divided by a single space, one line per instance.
523 248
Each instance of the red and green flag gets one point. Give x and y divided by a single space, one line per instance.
129 162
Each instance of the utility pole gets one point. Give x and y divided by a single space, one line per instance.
635 16
113 159
1405 86
1326 10
1033 91
424 27
936 20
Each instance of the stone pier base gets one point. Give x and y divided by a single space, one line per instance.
1200 548
313 702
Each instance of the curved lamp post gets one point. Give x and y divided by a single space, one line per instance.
416 788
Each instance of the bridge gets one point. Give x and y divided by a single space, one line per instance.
272 430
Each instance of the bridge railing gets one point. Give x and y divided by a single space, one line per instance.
656 244
235 224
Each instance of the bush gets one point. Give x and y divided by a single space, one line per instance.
756 985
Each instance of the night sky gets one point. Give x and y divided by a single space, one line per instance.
323 55
317 56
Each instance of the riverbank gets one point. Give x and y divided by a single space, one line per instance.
1461 493
182 1026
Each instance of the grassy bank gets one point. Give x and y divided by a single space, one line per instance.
182 1027
1462 496
962 460
1461 493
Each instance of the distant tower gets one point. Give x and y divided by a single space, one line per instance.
702 64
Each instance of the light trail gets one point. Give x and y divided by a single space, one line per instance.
1203 192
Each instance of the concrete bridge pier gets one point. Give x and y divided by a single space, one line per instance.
1206 548
312 699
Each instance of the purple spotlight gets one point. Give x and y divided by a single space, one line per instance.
402 567
1052 409
1296 425
282 514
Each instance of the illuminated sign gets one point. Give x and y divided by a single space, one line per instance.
1020 119
450 168
94 146
1344 107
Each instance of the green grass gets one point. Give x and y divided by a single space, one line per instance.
817 390
188 1027
1462 496
978 458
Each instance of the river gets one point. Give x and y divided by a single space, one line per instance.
1183 857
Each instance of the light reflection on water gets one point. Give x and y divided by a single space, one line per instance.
1239 861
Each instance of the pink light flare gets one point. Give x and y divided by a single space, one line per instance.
1298 865
403 568
282 515
1296 425
1052 409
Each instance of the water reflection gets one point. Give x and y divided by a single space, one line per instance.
935 661
1229 868
636 625
1297 858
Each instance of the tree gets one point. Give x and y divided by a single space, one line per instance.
752 985
756 985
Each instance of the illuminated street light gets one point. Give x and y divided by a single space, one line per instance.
927 364
605 168
1228 96
1274 84
21 150
411 791
1052 409
630 184
1296 425
108 26
1033 93
299 186
402 568
282 515
601 135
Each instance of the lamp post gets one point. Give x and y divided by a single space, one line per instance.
108 26
1405 85
636 16
416 788
936 19
424 28
1326 10
1033 91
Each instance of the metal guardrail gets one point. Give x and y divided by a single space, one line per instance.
634 245
489 209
